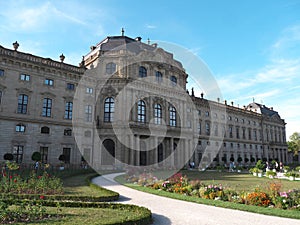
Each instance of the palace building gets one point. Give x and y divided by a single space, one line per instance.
125 104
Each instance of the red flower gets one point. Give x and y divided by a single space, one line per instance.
42 197
15 180
10 177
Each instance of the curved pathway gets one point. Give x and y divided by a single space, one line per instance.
167 211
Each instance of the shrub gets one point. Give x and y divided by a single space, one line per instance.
258 199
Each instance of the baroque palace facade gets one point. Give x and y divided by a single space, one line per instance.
125 104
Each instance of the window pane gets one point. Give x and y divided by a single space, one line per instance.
142 71
109 109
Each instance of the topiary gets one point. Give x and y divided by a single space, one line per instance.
8 156
36 156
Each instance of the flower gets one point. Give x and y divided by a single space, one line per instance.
42 197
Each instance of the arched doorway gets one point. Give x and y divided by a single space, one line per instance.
108 152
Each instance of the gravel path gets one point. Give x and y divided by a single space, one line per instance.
167 211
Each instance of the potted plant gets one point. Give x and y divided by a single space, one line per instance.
292 175
254 171
239 169
286 168
271 174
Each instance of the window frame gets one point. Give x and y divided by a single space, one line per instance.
20 128
173 80
110 68
158 77
49 82
70 86
88 113
22 104
47 107
157 114
142 72
141 111
172 116
68 110
109 109
2 73
24 77
18 151
45 130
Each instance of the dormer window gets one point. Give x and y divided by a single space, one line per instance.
111 68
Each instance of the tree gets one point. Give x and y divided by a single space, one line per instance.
294 143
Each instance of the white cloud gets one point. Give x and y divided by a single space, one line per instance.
151 26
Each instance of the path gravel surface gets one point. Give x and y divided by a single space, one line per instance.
167 211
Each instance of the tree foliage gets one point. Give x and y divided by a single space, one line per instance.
294 143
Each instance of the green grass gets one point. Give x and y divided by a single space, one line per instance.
238 181
232 180
71 216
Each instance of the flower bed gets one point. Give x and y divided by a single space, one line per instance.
271 196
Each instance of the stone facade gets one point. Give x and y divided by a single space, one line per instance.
125 104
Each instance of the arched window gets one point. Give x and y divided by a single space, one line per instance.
20 128
45 130
141 111
172 111
173 80
69 110
67 132
109 109
111 68
22 103
142 72
47 105
158 76
157 114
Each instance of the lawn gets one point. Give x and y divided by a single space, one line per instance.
238 181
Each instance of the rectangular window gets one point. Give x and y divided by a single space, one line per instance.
70 86
44 154
88 113
49 82
237 132
230 132
1 73
89 90
0 96
47 105
20 128
67 154
207 128
25 77
22 104
18 153
69 110
199 127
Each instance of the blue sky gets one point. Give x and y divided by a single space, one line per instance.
251 47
